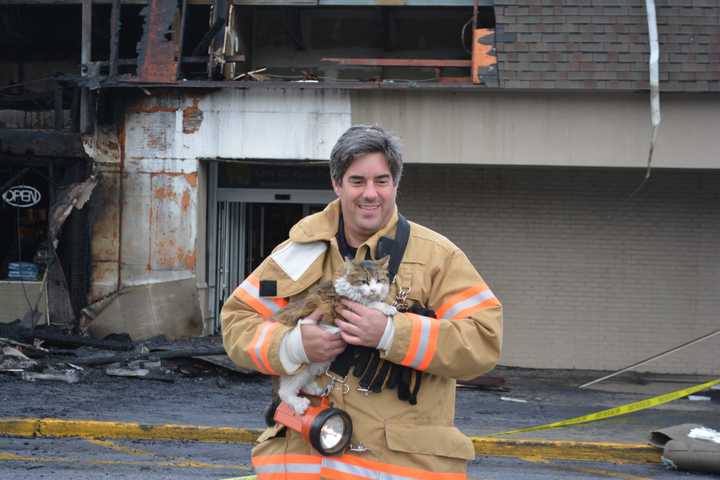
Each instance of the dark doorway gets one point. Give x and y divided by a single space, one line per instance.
267 225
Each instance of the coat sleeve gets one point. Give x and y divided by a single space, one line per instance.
465 339
250 336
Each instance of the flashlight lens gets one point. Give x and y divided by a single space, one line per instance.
331 433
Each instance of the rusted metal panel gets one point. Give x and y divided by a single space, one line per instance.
105 246
173 222
150 134
136 219
484 59
153 213
158 48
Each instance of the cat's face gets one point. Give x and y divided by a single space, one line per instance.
369 278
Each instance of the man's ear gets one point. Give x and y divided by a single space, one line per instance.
336 186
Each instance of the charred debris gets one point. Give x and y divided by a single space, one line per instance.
49 353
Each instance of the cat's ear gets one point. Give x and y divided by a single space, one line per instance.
348 265
385 261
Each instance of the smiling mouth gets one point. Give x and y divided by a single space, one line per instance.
369 207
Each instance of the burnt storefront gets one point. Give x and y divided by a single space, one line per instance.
44 234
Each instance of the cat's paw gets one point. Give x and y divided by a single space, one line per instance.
299 404
388 309
313 389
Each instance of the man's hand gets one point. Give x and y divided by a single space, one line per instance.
360 325
319 344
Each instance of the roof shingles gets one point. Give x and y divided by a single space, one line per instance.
603 44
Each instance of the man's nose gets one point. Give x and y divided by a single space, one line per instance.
370 190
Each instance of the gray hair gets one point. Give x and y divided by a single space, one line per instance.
361 140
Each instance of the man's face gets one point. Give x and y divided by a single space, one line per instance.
367 197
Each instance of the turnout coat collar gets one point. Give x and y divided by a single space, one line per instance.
323 226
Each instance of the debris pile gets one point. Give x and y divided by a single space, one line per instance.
48 353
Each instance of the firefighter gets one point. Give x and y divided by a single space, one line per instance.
403 424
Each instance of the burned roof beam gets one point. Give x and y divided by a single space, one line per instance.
41 143
304 3
399 62
114 37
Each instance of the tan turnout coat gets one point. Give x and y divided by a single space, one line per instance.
403 441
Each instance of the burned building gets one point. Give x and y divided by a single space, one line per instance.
526 134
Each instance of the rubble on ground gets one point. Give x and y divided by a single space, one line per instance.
48 353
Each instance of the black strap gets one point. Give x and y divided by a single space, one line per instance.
395 248
379 381
416 387
403 384
371 371
394 376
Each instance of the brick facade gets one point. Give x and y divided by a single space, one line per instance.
603 44
589 279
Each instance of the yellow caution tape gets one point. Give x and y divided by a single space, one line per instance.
617 411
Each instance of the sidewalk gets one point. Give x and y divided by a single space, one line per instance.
224 407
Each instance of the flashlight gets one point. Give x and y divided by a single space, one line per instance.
328 429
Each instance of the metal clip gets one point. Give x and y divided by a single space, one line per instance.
336 380
328 388
359 448
401 299
335 377
364 391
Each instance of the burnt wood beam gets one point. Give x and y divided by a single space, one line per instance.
181 38
85 58
59 120
41 143
114 37
399 62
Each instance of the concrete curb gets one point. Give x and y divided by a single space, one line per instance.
527 449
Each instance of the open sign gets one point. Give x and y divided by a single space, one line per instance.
22 196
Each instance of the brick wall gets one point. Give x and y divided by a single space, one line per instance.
603 44
589 279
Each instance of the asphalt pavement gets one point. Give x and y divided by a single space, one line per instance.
212 416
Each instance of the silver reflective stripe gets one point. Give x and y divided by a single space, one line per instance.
360 471
424 338
289 468
253 292
469 302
